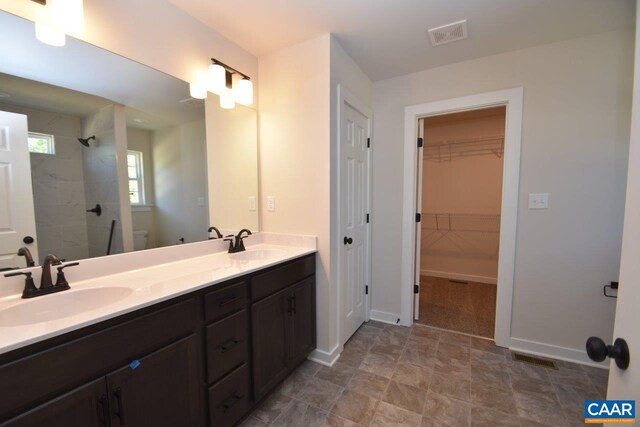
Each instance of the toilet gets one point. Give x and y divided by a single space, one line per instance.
140 238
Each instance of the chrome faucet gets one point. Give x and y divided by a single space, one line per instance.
26 253
236 244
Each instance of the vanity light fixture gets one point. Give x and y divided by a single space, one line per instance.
219 80
61 17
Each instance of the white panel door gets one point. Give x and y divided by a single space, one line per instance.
17 218
354 193
625 384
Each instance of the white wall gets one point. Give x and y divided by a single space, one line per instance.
154 33
577 96
232 156
297 128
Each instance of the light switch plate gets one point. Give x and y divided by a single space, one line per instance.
271 203
538 200
252 203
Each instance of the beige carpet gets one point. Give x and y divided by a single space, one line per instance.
464 307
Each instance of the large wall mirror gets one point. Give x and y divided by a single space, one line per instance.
102 155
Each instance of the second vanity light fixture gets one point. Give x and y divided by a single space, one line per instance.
230 84
59 18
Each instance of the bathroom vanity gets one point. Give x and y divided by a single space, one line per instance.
190 354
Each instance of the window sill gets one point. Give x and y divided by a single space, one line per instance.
141 208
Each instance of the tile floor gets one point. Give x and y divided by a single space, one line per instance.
464 307
420 376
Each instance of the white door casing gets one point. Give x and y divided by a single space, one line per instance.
17 216
419 165
625 384
512 99
354 201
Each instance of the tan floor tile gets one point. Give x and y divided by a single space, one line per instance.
271 408
447 410
391 350
379 364
499 399
484 417
319 393
452 351
339 373
493 378
454 338
356 407
389 415
417 357
252 422
413 375
367 383
420 332
405 396
453 367
449 386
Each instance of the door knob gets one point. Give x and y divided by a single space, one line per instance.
598 351
348 240
27 240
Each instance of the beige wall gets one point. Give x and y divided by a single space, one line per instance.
577 97
464 245
232 156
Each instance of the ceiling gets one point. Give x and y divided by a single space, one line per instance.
388 38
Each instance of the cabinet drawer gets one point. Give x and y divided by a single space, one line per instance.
226 345
229 399
281 277
220 303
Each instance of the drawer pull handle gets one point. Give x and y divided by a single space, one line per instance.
102 410
228 300
228 345
231 401
119 408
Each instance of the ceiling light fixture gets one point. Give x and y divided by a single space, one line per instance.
219 80
61 17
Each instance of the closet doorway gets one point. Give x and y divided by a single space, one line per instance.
460 200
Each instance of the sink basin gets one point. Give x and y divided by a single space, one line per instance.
257 254
60 305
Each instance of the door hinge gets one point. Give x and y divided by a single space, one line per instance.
418 217
366 290
367 218
368 142
416 289
420 142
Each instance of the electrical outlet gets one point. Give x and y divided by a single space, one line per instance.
252 203
271 203
538 200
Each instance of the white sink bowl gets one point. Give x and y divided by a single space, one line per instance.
60 305
257 254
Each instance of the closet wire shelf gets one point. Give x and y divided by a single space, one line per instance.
446 151
468 233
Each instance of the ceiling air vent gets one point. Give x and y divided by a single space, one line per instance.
448 33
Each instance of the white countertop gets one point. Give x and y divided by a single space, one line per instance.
145 286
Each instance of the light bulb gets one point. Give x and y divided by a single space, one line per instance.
226 100
198 90
244 92
49 35
217 79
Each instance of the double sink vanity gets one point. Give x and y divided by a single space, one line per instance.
187 335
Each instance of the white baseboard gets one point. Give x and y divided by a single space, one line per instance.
384 317
325 358
554 352
459 276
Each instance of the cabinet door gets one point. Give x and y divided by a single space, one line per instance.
161 389
303 325
86 406
270 323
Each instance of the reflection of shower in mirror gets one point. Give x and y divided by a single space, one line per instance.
85 141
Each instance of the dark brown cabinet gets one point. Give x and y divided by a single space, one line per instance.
205 358
283 329
86 406
161 389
